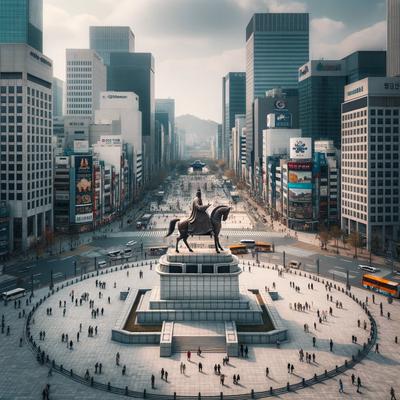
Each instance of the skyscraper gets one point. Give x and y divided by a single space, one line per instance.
134 72
393 37
234 103
168 106
26 142
276 46
111 39
58 97
321 90
21 21
86 79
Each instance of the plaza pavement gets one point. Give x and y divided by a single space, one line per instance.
22 378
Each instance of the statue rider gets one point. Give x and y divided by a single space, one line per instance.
199 220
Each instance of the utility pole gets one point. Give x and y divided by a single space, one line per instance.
318 266
284 258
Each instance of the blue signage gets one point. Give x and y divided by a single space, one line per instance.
283 119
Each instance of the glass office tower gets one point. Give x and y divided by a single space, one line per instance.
277 45
21 21
233 103
111 39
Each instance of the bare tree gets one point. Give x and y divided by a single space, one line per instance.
355 241
324 237
336 234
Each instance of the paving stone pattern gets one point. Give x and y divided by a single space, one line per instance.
21 377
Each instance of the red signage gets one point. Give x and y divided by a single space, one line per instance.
300 166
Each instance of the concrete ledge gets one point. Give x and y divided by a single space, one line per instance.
167 333
231 338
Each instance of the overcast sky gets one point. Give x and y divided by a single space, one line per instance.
196 42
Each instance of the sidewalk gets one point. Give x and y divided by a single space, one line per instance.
311 239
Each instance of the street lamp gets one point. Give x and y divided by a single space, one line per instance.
51 280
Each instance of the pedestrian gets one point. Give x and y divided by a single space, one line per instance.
215 369
237 379
291 369
331 345
358 384
267 372
100 367
288 368
340 386
219 369
200 367
313 341
162 373
246 351
392 394
152 376
166 376
234 379
124 370
353 379
377 348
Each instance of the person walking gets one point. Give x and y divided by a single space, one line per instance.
353 379
340 386
166 376
331 345
358 384
152 381
377 348
392 394
267 372
162 373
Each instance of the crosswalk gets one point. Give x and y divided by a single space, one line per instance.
243 234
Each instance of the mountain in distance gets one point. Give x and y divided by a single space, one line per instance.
196 128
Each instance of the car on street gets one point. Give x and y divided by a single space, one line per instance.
131 243
294 264
368 268
102 264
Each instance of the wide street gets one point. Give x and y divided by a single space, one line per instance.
243 222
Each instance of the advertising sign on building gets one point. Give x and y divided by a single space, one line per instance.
83 189
300 148
81 146
300 179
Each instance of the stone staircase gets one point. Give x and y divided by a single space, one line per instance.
210 337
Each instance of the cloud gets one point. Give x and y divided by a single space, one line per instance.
326 30
63 30
370 38
272 5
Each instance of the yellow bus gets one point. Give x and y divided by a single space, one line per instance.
238 249
381 285
264 247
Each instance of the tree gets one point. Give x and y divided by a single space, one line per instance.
323 236
355 241
375 244
336 234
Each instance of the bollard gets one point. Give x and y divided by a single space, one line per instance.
315 377
336 368
345 363
70 372
326 373
174 395
144 393
108 386
303 381
288 387
199 396
221 395
126 391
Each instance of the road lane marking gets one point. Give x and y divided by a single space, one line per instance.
348 261
66 258
58 275
340 273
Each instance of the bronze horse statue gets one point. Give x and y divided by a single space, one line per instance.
218 215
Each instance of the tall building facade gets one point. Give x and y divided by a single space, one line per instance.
86 79
58 97
134 72
370 161
233 103
21 21
277 44
168 106
393 37
26 142
321 91
111 39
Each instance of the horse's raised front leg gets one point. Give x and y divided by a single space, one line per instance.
187 244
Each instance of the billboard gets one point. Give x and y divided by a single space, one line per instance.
300 148
300 179
302 195
300 210
81 146
83 189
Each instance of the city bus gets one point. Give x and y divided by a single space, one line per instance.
248 242
381 285
13 294
238 249
263 247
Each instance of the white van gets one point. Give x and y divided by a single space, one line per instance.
294 264
101 264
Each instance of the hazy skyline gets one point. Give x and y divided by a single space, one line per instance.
196 42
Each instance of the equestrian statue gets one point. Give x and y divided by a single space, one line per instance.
200 223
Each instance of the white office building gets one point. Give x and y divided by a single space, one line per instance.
26 142
370 160
86 79
123 107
